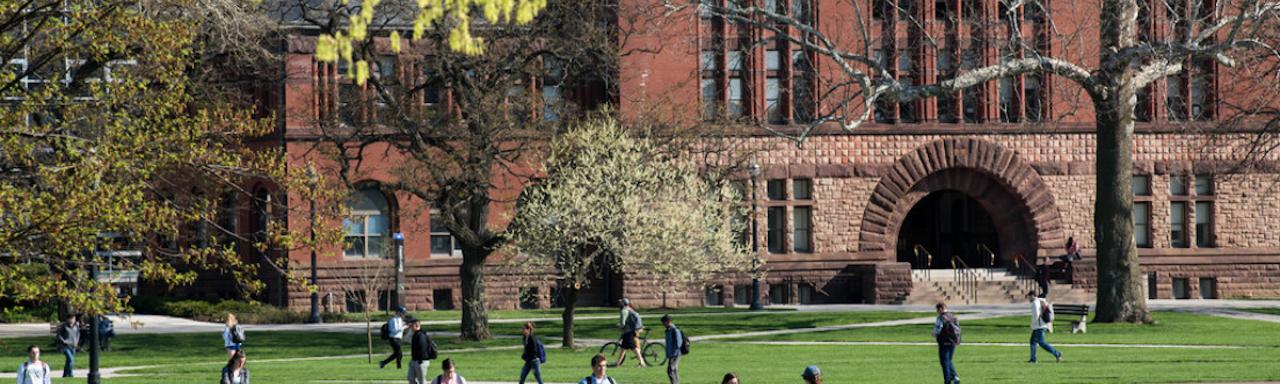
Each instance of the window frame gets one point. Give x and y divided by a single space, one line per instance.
1144 199
455 249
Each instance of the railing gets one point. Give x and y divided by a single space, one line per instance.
966 279
991 255
1026 272
927 266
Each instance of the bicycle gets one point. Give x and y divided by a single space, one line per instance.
655 353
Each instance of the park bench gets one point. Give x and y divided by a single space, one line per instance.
1072 310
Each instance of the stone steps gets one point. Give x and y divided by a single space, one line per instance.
994 286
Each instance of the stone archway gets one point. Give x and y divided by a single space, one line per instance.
1022 208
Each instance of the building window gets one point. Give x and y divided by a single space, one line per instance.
1178 224
777 189
742 294
715 295
779 294
355 301
1141 185
368 224
552 79
777 217
801 229
442 299
806 293
1208 288
1181 290
1204 212
442 241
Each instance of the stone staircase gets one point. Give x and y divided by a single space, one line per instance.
984 286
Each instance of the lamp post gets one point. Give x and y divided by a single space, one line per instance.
313 183
95 376
753 169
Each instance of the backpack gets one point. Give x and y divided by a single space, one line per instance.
26 365
1046 313
684 343
634 321
385 332
950 333
542 351
431 349
237 334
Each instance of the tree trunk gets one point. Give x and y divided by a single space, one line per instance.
368 332
570 304
1120 296
475 319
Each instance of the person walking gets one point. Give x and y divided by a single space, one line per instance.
34 371
673 343
421 351
533 356
235 372
599 366
946 329
1042 278
68 338
631 325
729 378
395 337
232 336
1041 320
448 374
812 375
106 331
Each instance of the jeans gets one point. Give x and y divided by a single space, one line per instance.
396 352
673 369
945 353
1037 339
70 354
418 371
534 365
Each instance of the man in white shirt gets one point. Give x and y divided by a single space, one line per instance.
33 371
1041 321
395 328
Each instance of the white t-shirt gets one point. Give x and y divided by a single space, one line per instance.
29 373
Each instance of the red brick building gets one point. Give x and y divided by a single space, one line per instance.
1000 172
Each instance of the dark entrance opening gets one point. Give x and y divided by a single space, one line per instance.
946 224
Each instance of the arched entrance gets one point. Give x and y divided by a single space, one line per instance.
945 224
975 174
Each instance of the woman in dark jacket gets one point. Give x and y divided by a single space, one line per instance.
532 356
235 372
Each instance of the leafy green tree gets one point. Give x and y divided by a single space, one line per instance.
615 201
103 147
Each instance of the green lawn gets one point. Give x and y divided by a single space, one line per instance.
711 325
1170 328
456 315
197 357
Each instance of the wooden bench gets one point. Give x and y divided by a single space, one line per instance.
1080 323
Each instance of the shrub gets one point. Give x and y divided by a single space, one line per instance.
247 312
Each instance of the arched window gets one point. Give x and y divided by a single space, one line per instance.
369 224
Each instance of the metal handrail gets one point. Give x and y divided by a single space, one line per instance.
967 279
992 254
928 259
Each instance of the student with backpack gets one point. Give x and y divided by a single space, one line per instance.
946 329
421 351
631 325
232 336
677 345
235 372
448 374
535 354
1041 320
34 371
599 366
393 332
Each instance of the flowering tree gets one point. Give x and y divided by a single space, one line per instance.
615 201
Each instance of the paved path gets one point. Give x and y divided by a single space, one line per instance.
967 344
890 323
1234 314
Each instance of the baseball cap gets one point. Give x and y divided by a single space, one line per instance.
624 301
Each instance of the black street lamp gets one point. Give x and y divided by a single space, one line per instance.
313 182
754 170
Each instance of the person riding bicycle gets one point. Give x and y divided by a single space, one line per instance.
631 325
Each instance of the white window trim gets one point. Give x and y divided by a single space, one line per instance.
454 250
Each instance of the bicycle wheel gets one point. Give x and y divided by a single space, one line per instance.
611 350
655 354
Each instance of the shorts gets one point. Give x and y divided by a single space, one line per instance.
234 347
629 340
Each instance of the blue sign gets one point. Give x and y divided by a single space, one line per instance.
398 236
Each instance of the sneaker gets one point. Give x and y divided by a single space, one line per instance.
382 365
1031 361
1058 357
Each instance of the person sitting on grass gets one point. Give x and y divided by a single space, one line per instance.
599 364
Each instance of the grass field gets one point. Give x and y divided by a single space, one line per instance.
197 358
